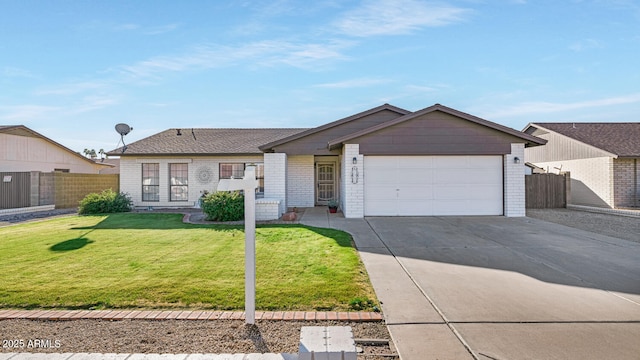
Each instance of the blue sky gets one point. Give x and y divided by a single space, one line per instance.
73 69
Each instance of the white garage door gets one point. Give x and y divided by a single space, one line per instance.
432 185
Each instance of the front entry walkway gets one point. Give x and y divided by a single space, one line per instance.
417 329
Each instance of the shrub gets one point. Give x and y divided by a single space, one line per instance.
224 206
107 201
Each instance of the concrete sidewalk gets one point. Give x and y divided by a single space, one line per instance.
418 329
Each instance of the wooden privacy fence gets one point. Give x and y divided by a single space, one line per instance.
64 190
15 190
547 190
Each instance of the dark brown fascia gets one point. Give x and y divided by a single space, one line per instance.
531 140
180 154
269 146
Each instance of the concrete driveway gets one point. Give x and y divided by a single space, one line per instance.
502 288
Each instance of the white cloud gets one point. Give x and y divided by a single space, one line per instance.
354 83
14 72
396 17
126 27
72 88
157 30
263 53
21 113
586 44
541 107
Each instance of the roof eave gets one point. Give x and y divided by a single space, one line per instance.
40 136
269 147
538 126
530 139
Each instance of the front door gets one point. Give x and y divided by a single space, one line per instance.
325 182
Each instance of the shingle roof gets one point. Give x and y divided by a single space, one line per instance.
206 141
530 139
622 139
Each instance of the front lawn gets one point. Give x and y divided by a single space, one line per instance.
156 261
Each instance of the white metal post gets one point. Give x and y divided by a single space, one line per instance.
250 247
249 184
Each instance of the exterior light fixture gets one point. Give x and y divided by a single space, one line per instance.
355 160
516 160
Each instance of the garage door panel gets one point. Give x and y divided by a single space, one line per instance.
416 208
408 192
433 185
416 176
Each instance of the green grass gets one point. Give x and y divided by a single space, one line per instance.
156 261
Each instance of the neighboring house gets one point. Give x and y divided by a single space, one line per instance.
114 166
603 159
385 161
531 169
22 150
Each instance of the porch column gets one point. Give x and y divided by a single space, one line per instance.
275 178
514 189
352 189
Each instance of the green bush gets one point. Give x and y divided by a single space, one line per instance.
107 201
224 206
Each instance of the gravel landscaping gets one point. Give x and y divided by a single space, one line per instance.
176 336
622 227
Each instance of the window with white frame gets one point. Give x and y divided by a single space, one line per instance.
236 170
150 182
178 182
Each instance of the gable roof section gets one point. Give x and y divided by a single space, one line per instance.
529 140
205 142
621 139
388 107
21 130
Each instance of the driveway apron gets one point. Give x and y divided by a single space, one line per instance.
501 288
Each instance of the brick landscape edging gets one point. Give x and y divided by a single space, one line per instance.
187 315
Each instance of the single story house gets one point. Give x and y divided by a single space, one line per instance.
23 150
384 161
602 158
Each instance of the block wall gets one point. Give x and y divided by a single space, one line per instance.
203 175
514 188
70 188
300 181
591 180
626 182
352 182
275 178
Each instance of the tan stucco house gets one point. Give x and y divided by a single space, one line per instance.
22 150
384 161
602 158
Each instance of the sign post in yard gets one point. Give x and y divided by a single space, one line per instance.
249 184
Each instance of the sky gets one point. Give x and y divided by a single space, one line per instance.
71 70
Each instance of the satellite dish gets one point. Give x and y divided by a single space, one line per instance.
123 129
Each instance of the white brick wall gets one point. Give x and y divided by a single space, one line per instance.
352 186
275 178
267 209
300 181
514 189
591 180
199 168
